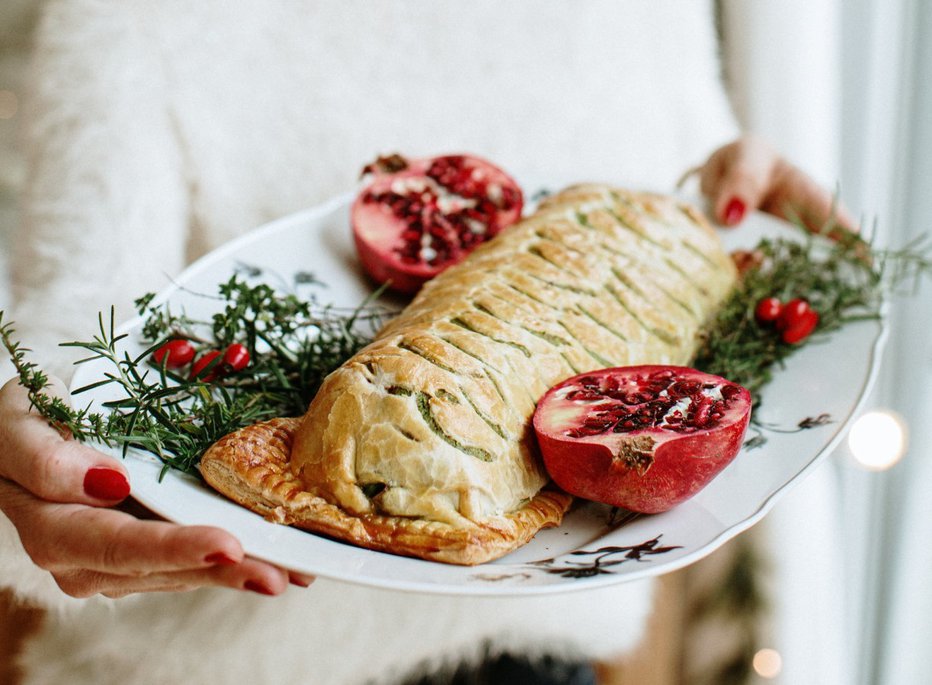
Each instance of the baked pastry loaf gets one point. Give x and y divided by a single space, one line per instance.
421 443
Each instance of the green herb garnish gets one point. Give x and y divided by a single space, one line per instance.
843 279
293 343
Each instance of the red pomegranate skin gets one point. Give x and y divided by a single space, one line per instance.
417 217
623 469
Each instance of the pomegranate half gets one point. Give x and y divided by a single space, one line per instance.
644 438
419 216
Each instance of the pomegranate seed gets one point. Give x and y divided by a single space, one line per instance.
201 364
767 310
236 357
792 312
175 353
730 391
801 327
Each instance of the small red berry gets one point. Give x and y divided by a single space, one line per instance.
799 329
174 354
792 312
236 357
201 364
768 309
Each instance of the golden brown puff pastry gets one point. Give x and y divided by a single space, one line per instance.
421 443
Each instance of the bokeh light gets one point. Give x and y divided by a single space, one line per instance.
878 439
767 663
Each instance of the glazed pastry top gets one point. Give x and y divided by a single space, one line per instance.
432 420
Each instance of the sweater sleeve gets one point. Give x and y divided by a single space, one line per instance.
105 210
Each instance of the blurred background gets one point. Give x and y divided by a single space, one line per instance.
838 588
17 18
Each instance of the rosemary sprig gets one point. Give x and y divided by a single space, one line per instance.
293 343
56 411
844 280
175 420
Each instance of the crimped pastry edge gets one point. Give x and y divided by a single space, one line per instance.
251 467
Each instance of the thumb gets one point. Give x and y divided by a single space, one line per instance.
57 469
737 178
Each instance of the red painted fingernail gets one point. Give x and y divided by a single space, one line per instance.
220 559
734 211
256 586
300 580
105 483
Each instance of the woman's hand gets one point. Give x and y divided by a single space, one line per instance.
749 174
59 495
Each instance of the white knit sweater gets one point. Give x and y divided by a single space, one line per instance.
157 131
